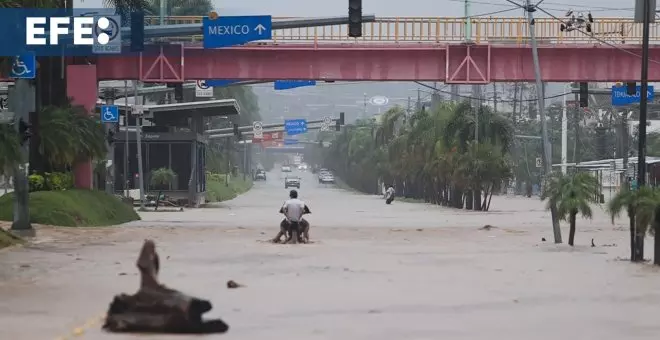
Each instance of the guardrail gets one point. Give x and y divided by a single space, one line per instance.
451 29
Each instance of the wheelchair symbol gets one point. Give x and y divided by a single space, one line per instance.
18 67
108 115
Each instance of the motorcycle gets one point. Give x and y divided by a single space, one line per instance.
294 232
389 197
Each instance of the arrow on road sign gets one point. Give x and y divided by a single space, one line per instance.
260 29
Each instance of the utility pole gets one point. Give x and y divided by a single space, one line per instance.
22 102
364 113
419 100
643 101
476 104
163 9
468 22
138 138
495 98
540 94
126 140
110 157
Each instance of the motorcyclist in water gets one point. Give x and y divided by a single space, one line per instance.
293 210
389 195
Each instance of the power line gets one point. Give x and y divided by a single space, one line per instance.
487 100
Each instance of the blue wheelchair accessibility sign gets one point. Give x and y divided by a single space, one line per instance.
24 66
109 114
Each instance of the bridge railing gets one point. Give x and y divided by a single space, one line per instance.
451 29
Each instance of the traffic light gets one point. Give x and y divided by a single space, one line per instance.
237 133
631 88
355 18
178 92
137 31
339 122
24 131
584 94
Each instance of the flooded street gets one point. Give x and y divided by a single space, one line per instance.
412 271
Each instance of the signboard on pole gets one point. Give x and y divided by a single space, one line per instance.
292 84
539 163
203 90
325 125
258 130
236 30
295 126
621 97
110 114
24 66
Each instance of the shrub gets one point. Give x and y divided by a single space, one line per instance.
36 182
58 181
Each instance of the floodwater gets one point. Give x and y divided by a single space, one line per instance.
403 271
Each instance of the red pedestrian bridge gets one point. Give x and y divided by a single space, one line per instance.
405 49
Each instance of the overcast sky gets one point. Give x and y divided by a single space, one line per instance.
311 8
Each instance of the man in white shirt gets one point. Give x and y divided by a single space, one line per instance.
293 210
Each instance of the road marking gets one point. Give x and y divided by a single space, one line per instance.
79 331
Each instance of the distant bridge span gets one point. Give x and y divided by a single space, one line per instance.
450 63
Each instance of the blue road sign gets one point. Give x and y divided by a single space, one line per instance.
292 84
621 97
230 31
113 30
24 66
290 141
221 82
295 126
109 113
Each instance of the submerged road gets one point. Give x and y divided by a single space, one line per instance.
405 271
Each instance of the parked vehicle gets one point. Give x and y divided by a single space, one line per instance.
292 182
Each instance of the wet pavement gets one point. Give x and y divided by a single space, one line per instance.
412 271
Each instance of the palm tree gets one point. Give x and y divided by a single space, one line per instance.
641 206
161 177
571 194
71 136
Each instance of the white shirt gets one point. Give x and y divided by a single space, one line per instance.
294 209
390 190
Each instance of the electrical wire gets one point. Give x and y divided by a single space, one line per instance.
487 100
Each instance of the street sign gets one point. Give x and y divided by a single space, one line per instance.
258 129
4 103
539 163
113 31
236 30
109 114
6 117
203 90
378 100
290 141
24 66
292 84
137 109
620 95
325 125
272 136
295 126
221 82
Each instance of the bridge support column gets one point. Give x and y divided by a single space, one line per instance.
82 88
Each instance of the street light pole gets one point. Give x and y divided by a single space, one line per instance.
564 133
540 94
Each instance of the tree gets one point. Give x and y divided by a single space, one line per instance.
571 194
159 178
10 153
641 205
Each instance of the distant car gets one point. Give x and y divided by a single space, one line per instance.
327 178
260 176
286 168
302 167
292 182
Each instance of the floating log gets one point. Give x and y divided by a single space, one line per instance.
156 308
